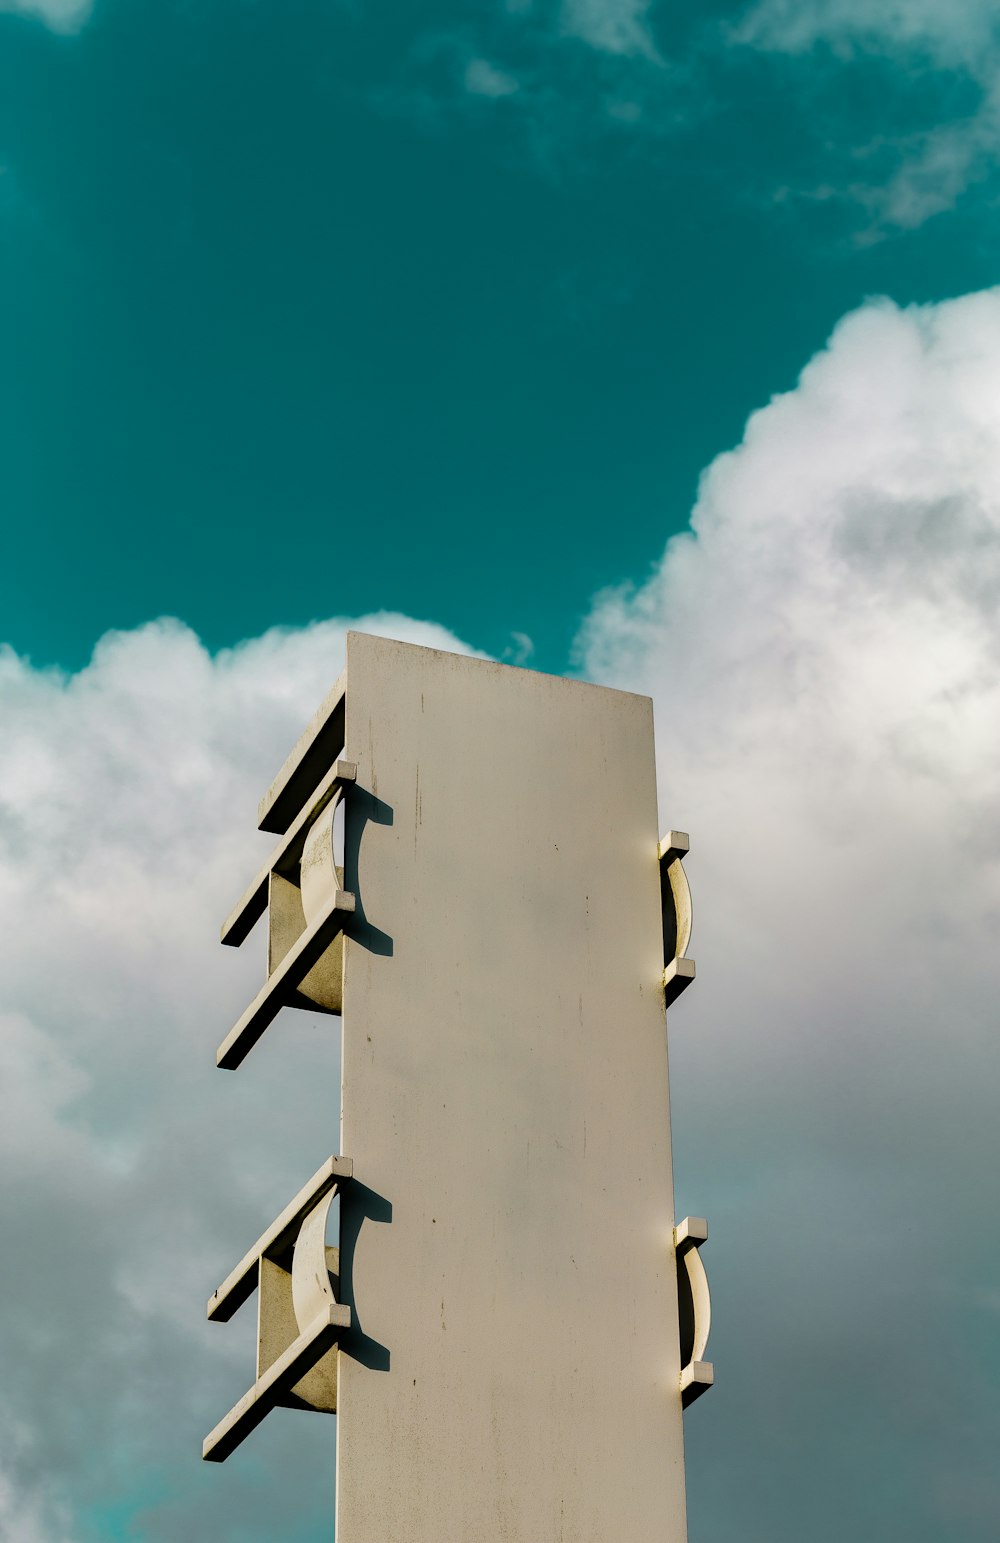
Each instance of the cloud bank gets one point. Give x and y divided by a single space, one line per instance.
823 653
134 1175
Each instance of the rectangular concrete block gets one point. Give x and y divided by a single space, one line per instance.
512 1369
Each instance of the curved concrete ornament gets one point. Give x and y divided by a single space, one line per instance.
675 900
312 1289
319 877
694 1308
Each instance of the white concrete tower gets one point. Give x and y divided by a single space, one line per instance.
513 1324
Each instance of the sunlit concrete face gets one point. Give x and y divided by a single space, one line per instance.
512 1370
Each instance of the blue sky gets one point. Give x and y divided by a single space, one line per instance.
438 293
651 342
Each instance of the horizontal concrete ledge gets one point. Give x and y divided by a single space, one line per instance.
696 1378
317 747
676 843
692 1232
241 1282
286 856
301 1355
676 977
304 953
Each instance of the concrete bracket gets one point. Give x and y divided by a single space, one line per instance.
299 1319
695 1308
300 888
287 856
675 902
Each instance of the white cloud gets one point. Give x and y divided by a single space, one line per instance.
611 26
576 73
952 33
484 79
931 168
935 168
32 1517
134 1173
824 656
60 15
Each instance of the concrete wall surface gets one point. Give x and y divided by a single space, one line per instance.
512 1370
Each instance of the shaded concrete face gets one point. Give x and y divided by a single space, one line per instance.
512 1369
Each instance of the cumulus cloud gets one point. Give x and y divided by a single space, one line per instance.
60 15
825 660
134 1173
